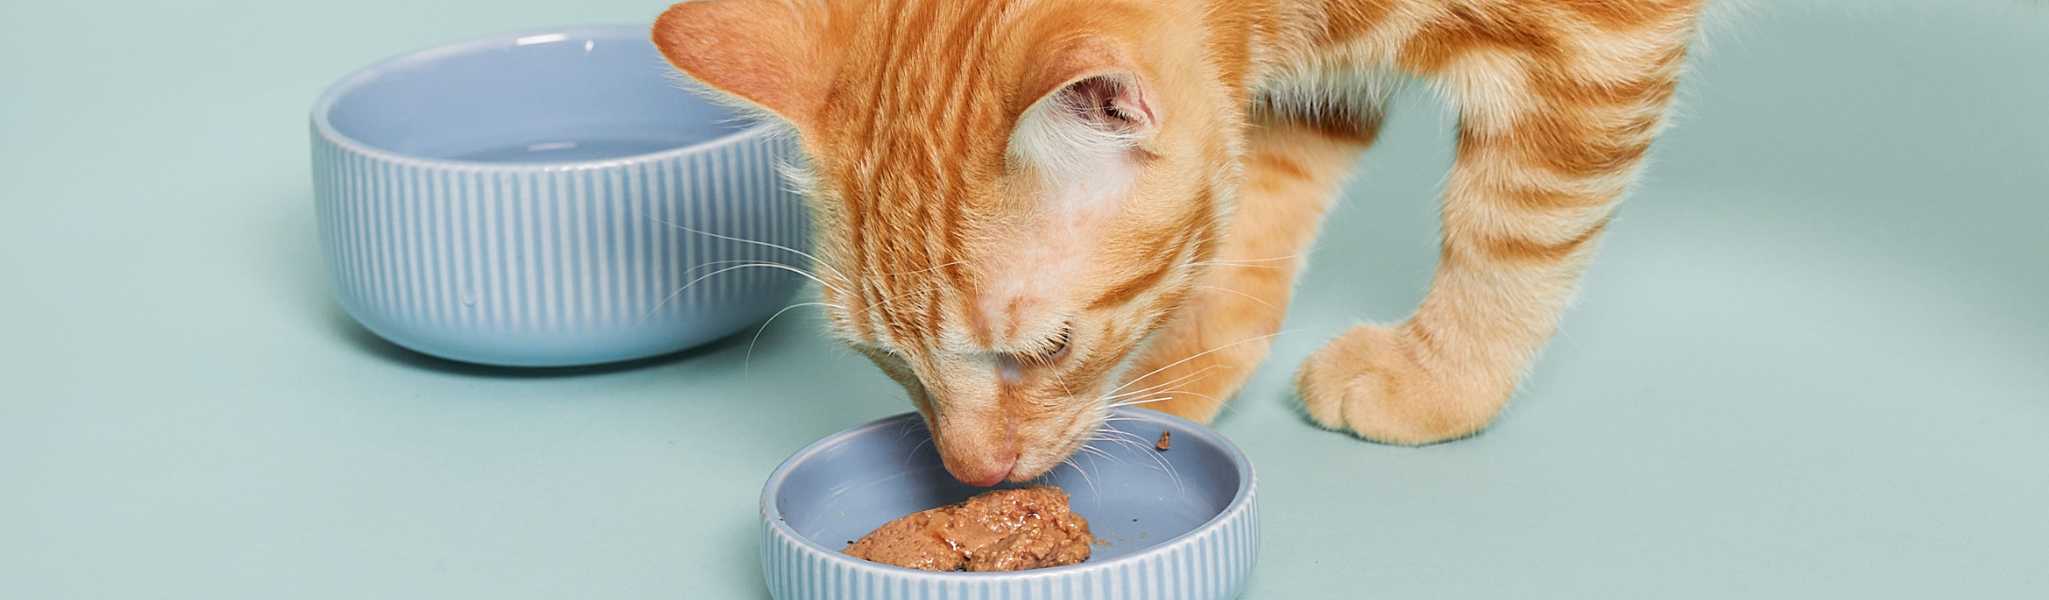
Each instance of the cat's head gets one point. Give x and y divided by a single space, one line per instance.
1009 196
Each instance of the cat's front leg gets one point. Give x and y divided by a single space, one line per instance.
1213 343
1548 143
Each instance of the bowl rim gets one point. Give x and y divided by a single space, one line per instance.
354 80
1240 499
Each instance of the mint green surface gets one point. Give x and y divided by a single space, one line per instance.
1812 361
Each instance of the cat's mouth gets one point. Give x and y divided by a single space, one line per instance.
1077 431
987 452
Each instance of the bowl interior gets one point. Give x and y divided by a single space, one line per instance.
1134 499
570 95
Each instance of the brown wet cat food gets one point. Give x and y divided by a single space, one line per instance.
1003 530
1166 441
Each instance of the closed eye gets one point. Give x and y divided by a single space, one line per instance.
1056 349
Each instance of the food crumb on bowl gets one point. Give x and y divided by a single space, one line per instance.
1166 440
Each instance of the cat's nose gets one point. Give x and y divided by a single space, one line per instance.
975 439
983 472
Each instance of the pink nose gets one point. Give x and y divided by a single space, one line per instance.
983 474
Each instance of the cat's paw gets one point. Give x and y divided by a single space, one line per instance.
1371 383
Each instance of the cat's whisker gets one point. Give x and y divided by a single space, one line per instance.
1159 386
1207 265
1169 395
785 267
882 305
1124 437
1117 440
914 451
1200 355
679 291
747 366
1262 302
1144 402
1069 461
1268 259
1126 420
1136 402
1085 476
1145 447
781 247
1092 454
1062 380
1105 452
703 267
1094 451
910 425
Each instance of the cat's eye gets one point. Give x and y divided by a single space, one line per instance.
1051 355
1060 346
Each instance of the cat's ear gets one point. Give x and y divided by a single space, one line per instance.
764 52
1094 110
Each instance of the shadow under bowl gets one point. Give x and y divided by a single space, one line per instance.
550 198
1180 523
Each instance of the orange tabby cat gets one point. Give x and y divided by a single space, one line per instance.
1012 196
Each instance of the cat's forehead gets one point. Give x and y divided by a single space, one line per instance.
925 76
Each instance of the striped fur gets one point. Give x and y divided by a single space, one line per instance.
1006 296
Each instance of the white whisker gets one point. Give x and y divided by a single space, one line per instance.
747 366
1167 395
1069 461
914 451
910 425
679 291
1144 402
1219 288
1157 386
781 247
1085 448
1254 260
1145 447
1200 355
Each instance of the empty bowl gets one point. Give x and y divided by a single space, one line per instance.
550 198
1175 524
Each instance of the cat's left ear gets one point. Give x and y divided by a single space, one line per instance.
1095 109
768 53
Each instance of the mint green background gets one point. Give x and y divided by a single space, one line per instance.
1813 360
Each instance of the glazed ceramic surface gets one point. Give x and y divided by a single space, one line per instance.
551 198
1176 524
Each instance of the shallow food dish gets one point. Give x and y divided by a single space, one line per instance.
1174 524
544 199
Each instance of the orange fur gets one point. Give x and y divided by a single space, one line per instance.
1004 281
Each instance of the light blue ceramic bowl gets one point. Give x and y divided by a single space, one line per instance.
1179 524
544 199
